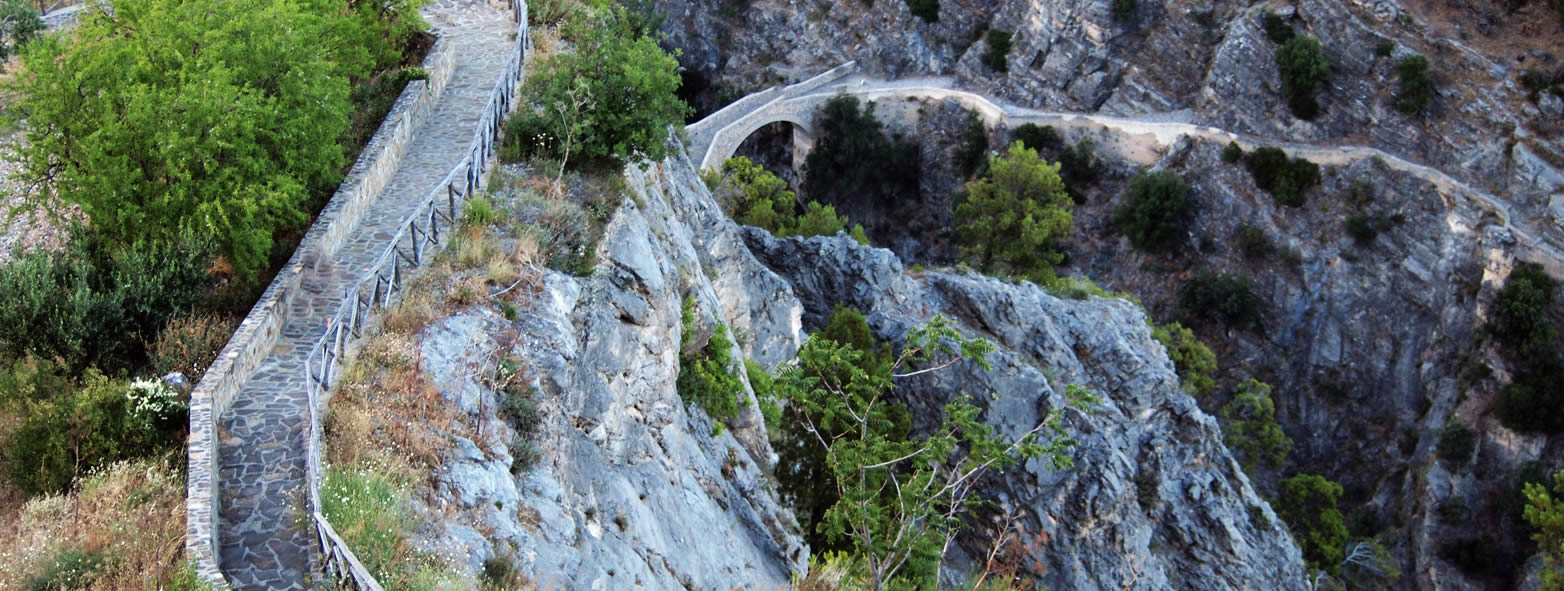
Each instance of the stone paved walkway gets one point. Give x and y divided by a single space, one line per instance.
266 542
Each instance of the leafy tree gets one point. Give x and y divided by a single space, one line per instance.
1249 427
88 306
1456 442
1305 71
1232 153
1156 212
855 165
928 10
1191 358
217 117
901 499
1287 180
608 102
1041 138
1224 297
1417 87
1520 313
19 23
1276 28
998 47
974 144
1545 513
1078 168
1015 215
755 197
102 421
1308 505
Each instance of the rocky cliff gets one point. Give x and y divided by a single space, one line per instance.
633 488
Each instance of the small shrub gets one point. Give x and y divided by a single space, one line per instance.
928 10
1453 511
1276 28
1417 87
974 145
1365 227
1123 10
68 569
1194 361
1232 153
1308 503
190 344
1385 48
1305 71
1359 194
1249 427
62 439
1456 443
1252 243
518 407
1156 212
1041 138
22 24
1520 314
998 48
1226 298
1287 180
1079 169
478 212
706 377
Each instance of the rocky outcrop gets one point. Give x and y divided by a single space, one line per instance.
1154 500
634 490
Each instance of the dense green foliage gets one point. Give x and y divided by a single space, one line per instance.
1545 513
1520 313
1417 87
804 479
1308 505
71 427
608 102
19 23
1250 430
754 197
1226 298
1385 48
1079 169
1305 71
1456 442
854 164
1014 216
706 369
900 498
998 47
1193 360
1156 212
215 117
1044 138
1522 322
973 149
928 10
1232 153
1252 243
1365 227
1276 28
89 306
1287 180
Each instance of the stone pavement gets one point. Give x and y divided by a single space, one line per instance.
266 540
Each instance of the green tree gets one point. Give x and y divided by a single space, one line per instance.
608 102
855 165
706 368
1545 513
1015 215
62 439
928 10
1286 180
998 47
1417 87
1308 505
1520 313
1305 70
1224 297
901 499
1194 361
19 23
1156 213
1249 427
217 117
755 197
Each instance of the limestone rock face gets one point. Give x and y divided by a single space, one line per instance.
632 488
1154 500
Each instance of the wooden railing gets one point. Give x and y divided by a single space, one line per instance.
383 281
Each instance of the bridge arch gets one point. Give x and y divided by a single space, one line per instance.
728 140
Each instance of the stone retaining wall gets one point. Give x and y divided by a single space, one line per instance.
258 333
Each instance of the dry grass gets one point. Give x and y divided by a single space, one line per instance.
131 512
190 344
387 413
